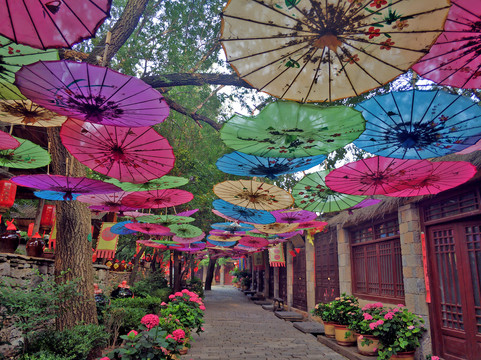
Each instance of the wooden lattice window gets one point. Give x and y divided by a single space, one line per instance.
377 261
455 205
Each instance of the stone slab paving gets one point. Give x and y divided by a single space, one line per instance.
237 329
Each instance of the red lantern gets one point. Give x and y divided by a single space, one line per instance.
7 193
48 215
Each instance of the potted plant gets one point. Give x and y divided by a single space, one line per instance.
366 324
399 333
327 315
344 308
48 253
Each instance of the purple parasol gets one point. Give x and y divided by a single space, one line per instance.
146 228
65 184
290 216
188 212
194 247
157 199
365 203
92 93
106 202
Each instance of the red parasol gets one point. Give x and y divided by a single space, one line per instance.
7 141
66 184
127 154
92 93
52 24
377 175
445 175
253 242
290 216
157 199
146 228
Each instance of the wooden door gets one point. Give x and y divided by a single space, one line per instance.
327 269
283 283
455 270
271 282
299 283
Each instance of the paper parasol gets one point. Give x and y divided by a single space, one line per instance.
454 58
241 213
253 194
241 164
445 175
185 230
26 156
419 124
228 218
165 182
111 202
52 24
311 193
25 112
224 238
224 232
293 216
151 229
326 50
290 234
292 130
166 220
188 212
157 199
377 175
7 141
120 228
127 154
312 224
221 243
134 214
12 57
232 227
92 93
365 203
188 240
150 243
66 184
53 195
276 228
194 247
253 242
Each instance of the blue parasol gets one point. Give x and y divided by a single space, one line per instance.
243 214
53 195
232 227
238 163
419 124
120 228
221 243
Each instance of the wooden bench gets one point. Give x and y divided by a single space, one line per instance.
278 304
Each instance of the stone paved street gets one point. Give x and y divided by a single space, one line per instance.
237 329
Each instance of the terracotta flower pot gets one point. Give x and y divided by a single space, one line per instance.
407 355
329 329
369 350
344 336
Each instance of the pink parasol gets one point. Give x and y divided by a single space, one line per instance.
134 214
188 212
106 202
7 141
66 184
157 199
146 228
293 216
153 244
366 203
253 242
445 175
377 175
127 154
52 24
312 224
192 247
92 93
288 235
454 58
184 240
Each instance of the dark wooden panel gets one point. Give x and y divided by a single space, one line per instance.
299 283
326 266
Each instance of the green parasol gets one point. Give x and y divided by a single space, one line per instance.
185 230
165 182
165 220
27 156
311 193
12 57
291 130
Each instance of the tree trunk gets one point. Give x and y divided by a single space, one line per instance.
135 268
177 271
210 274
73 259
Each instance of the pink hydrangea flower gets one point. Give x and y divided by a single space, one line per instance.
389 315
185 291
411 327
367 316
361 337
169 337
132 332
171 296
372 326
163 303
400 305
433 357
178 334
105 358
202 307
178 293
150 321
202 329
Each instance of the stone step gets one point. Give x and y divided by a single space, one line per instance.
309 327
289 316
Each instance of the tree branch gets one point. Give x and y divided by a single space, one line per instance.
121 31
182 79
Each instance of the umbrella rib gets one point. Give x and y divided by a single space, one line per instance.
315 77
53 22
79 20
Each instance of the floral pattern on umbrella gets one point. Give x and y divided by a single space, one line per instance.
111 202
454 58
151 229
315 51
276 228
26 156
377 175
185 230
253 242
120 228
253 194
419 124
293 130
444 175
311 193
127 154
25 112
157 199
92 93
166 220
244 214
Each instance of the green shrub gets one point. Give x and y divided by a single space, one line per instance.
195 285
43 355
148 286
